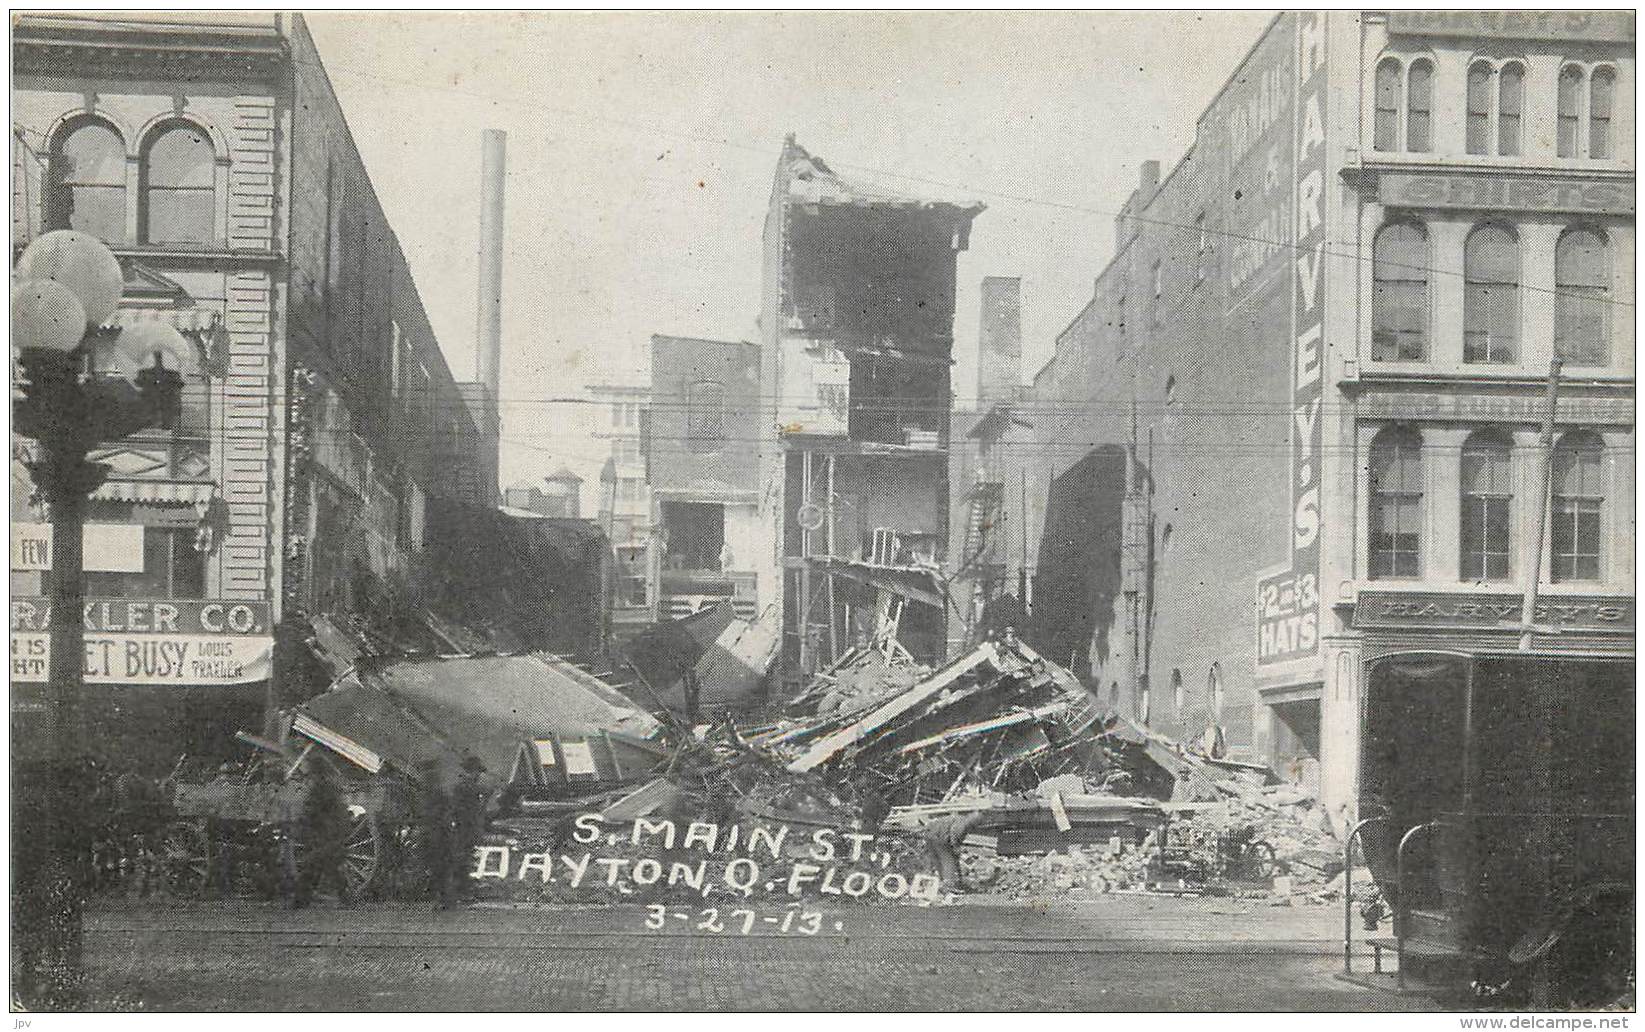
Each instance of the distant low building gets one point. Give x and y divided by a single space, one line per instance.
704 485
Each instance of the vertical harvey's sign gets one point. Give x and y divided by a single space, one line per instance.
1288 602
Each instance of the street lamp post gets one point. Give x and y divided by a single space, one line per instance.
78 386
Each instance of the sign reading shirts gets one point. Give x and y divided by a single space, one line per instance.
1288 602
140 641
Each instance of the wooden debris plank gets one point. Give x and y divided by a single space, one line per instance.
831 746
1059 813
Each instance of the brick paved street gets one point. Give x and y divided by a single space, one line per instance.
974 957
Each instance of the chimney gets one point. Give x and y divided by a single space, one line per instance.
1125 226
488 330
999 340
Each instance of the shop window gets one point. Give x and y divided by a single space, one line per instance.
1490 300
172 568
1399 300
1396 504
1582 298
1385 131
87 188
693 535
179 186
1578 507
1478 133
1570 110
1510 108
1487 505
1419 106
631 573
1204 235
1601 96
705 416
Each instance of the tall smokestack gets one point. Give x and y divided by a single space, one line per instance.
488 331
999 343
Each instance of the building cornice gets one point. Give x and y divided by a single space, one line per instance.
81 47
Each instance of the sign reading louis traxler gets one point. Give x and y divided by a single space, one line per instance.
144 641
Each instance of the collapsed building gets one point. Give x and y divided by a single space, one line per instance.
856 349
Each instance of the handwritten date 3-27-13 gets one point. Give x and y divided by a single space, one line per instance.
714 921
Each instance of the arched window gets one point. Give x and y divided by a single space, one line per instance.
1510 106
705 416
1213 689
1582 295
1487 506
1479 108
1385 131
1490 299
1419 106
1399 299
179 186
1570 110
1178 696
1578 506
88 180
1396 503
1601 93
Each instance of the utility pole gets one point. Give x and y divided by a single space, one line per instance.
1545 463
1022 553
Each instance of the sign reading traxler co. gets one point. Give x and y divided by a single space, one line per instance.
141 641
1421 609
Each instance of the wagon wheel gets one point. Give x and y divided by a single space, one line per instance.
1260 861
185 857
362 852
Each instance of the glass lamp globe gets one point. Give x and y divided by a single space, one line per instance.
80 262
45 314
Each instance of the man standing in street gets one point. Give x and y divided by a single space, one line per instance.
321 833
943 837
468 821
434 814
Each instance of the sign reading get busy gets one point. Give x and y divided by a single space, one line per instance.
141 641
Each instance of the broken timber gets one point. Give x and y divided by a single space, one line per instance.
831 746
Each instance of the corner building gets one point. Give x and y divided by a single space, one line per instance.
210 153
1308 392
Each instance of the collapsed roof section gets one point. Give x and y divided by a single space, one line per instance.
811 181
412 714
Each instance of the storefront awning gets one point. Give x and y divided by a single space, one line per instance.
185 320
158 492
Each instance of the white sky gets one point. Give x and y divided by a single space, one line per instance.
641 149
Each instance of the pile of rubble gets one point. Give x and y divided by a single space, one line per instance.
1000 718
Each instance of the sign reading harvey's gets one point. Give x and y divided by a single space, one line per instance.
141 641
1288 601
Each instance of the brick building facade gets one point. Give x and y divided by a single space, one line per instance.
212 156
1295 430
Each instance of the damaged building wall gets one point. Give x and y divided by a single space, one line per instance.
1181 359
857 342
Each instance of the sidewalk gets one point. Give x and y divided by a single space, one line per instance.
1107 924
